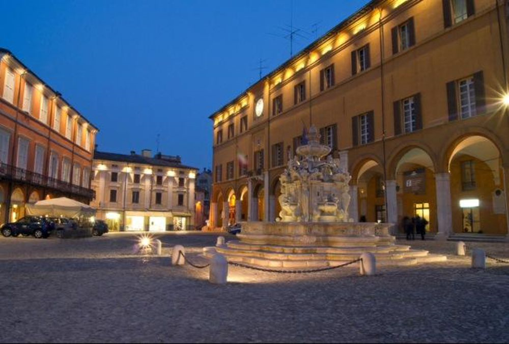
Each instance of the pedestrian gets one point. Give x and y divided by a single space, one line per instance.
363 218
408 227
420 226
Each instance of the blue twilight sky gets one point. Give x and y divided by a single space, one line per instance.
137 68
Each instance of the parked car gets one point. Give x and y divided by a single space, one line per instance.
38 226
63 225
235 228
100 227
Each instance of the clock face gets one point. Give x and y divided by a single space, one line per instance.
259 107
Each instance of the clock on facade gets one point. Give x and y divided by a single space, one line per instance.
259 107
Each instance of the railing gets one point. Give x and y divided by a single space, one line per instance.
21 175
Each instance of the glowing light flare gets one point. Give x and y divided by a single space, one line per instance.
469 203
147 171
326 49
192 175
359 28
112 216
145 242
314 56
171 173
505 100
102 167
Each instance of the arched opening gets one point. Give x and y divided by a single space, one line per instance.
416 187
232 202
244 196
370 192
261 204
477 187
17 210
276 191
220 210
34 197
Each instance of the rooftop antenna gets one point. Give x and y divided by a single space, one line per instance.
157 143
290 32
261 67
315 27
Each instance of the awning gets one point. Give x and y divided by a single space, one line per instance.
60 207
182 214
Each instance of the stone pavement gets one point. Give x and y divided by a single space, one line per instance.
95 290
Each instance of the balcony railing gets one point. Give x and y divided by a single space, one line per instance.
21 175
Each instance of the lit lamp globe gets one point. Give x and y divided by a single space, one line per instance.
505 100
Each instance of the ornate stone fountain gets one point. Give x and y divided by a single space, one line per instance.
313 228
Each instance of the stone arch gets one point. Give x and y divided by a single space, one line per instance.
17 209
412 148
368 174
34 197
359 164
17 196
243 193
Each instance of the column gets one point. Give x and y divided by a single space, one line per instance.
266 198
392 205
170 192
191 201
272 208
505 178
354 204
238 210
343 161
213 215
225 216
444 207
249 196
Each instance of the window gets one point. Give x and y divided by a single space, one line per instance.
360 60
79 134
219 138
136 179
230 131
114 177
159 197
277 154
243 124
403 36
180 199
229 170
5 139
258 161
219 173
86 178
27 98
22 159
363 129
9 85
182 182
113 196
380 213
39 159
297 142
300 93
43 114
53 165
456 11
136 197
466 97
68 128
277 105
76 177
468 175
87 140
243 165
56 120
327 78
159 180
407 115
66 170
328 136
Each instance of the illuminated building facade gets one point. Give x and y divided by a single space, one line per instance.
141 192
46 145
411 95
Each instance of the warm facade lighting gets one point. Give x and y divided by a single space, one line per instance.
112 216
469 203
301 66
313 57
171 174
192 175
327 49
127 170
40 87
102 167
360 28
147 171
399 3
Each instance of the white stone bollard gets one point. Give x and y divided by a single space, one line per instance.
159 247
220 241
478 258
368 264
176 257
136 248
209 252
218 273
461 248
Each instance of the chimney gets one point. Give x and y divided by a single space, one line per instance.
147 153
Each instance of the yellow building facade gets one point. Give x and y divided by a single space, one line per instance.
411 95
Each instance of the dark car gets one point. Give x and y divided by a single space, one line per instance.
235 229
100 227
37 226
63 225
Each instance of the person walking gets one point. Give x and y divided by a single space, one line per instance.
420 226
408 226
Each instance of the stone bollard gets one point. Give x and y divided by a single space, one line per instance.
478 258
220 241
461 248
218 273
368 264
209 252
136 248
176 257
159 247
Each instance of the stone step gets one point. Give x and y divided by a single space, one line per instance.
478 238
331 241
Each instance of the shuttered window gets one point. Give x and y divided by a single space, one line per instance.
22 159
57 119
328 136
5 138
39 159
277 154
9 86
363 129
300 93
43 113
68 128
76 175
229 170
403 36
277 105
86 178
456 11
53 165
361 59
466 97
407 115
27 98
327 78
66 171
79 134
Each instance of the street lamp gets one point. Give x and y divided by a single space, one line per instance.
505 100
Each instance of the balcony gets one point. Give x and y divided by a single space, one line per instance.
16 174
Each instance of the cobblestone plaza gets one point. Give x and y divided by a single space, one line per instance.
96 290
